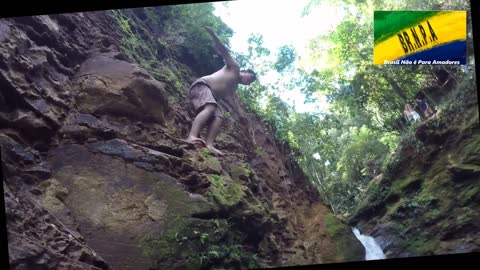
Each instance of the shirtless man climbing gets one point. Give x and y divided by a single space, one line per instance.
205 91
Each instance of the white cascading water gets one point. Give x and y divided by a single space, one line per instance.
372 249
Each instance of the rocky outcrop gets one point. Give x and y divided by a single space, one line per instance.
93 139
427 204
36 236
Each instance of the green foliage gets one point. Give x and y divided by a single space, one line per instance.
161 246
204 152
426 199
456 104
372 198
423 204
285 58
255 48
343 149
362 154
225 191
183 26
469 195
256 59
432 215
197 246
407 139
252 95
209 162
375 192
350 80
360 132
345 244
133 44
407 209
334 227
140 45
153 35
276 114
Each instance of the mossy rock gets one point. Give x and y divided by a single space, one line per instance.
409 184
224 191
470 154
467 216
198 244
227 141
421 246
373 204
469 195
208 162
464 172
459 222
213 164
240 171
426 199
433 215
347 246
392 208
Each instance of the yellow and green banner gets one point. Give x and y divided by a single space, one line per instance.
420 37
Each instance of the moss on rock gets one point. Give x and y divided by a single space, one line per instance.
225 191
239 171
347 246
198 244
213 164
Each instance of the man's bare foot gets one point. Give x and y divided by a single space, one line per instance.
194 140
215 150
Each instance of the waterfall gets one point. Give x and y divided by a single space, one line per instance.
372 249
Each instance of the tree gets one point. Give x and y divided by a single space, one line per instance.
285 59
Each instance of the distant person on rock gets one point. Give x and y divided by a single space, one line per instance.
410 114
423 105
205 92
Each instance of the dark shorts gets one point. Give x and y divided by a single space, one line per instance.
201 95
423 105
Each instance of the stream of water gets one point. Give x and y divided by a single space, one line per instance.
372 250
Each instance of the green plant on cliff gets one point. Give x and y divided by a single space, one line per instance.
225 191
177 33
132 43
463 96
407 140
198 245
372 199
204 152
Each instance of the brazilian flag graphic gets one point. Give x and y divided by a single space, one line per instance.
420 37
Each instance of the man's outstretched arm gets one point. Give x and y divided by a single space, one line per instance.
227 57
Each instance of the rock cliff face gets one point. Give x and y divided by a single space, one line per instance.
96 178
428 203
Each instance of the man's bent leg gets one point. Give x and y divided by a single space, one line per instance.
212 133
199 122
